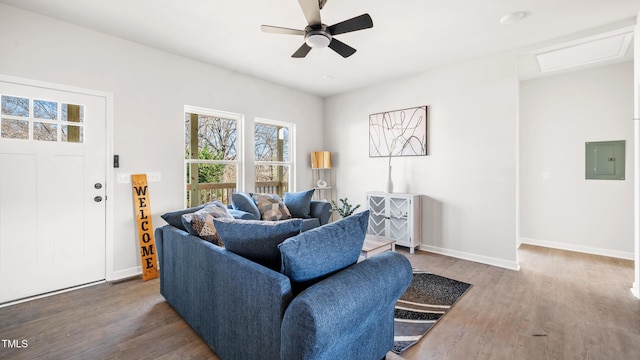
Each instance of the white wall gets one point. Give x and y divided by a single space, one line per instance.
558 207
150 89
469 177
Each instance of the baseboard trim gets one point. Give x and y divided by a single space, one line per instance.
124 274
577 248
635 290
511 265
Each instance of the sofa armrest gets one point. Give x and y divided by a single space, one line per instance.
321 210
348 315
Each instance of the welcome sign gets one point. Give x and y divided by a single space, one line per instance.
144 226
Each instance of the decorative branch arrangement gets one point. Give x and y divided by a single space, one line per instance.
345 209
398 133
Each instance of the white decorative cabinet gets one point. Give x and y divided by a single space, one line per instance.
395 217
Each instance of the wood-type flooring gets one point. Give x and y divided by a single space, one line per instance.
560 305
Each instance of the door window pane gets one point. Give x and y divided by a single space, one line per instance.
73 113
72 134
45 110
45 131
15 106
14 129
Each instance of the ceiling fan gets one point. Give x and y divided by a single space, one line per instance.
319 35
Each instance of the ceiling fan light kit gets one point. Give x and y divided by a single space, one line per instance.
318 38
318 35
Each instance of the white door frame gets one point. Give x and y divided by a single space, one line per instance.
109 183
635 289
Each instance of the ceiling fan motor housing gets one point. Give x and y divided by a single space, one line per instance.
317 36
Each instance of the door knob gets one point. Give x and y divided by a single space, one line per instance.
97 198
98 186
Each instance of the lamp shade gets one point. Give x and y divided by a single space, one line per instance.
321 160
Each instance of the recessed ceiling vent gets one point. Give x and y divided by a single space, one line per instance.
585 51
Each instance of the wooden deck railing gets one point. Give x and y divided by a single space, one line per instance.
222 191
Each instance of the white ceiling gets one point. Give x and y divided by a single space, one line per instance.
409 36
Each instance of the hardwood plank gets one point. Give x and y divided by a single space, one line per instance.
560 305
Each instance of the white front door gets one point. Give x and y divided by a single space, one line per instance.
52 189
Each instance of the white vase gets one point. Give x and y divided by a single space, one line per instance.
388 186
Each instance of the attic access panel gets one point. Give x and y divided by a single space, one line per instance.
605 160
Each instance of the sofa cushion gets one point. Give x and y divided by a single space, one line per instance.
244 202
271 207
200 223
319 252
310 223
174 218
257 240
299 203
239 214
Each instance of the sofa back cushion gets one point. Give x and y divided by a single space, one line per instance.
317 253
257 240
174 218
244 202
299 203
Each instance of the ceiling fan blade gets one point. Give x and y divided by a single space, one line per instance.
357 23
341 48
311 10
302 51
281 30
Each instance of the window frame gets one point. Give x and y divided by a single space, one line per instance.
292 150
239 162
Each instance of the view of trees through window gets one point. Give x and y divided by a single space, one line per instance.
212 158
34 119
272 157
212 146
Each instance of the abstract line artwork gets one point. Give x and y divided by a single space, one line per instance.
398 133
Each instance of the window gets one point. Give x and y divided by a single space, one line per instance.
212 155
41 120
273 156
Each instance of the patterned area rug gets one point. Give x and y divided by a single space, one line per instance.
426 301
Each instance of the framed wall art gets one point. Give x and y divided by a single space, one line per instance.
398 133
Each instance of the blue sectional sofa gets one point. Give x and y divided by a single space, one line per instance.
299 205
319 215
320 305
